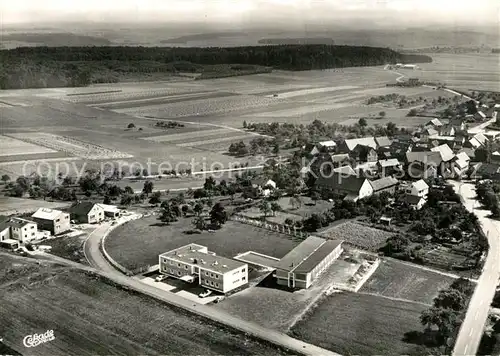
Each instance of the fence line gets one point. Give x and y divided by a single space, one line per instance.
271 226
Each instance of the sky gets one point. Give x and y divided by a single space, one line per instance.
248 11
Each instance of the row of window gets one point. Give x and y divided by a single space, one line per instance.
211 283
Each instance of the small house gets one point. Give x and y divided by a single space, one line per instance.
18 229
386 184
87 212
264 186
414 202
418 189
324 146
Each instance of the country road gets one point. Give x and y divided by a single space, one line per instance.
100 265
471 331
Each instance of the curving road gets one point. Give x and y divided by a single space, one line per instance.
471 331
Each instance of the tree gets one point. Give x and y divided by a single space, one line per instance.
155 198
444 319
210 183
126 200
275 207
106 200
198 209
265 207
471 107
313 223
218 215
128 190
412 112
450 299
67 181
148 187
276 148
315 196
362 122
397 244
381 114
245 125
24 183
295 201
199 223
5 178
131 125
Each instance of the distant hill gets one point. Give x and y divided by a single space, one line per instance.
202 37
297 41
28 67
55 39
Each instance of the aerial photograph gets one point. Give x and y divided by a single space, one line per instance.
250 177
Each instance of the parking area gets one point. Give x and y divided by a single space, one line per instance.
181 288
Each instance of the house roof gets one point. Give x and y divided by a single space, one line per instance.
412 199
82 208
445 151
383 183
47 214
481 138
430 131
420 184
19 222
392 162
482 114
193 253
383 141
317 256
338 181
462 156
365 141
300 253
488 168
328 143
427 157
344 170
109 208
340 157
461 163
435 122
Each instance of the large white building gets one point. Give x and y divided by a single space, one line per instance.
303 265
194 262
18 229
51 220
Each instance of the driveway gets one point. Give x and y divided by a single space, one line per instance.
471 331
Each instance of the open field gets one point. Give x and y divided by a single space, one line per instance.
278 308
12 147
360 324
11 205
138 243
90 317
359 235
395 279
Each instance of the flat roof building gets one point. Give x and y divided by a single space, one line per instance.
194 262
303 265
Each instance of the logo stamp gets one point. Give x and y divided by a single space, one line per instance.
38 339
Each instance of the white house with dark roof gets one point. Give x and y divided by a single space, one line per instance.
194 263
55 221
300 267
414 201
418 189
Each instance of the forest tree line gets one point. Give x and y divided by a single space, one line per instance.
27 67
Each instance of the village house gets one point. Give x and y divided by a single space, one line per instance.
194 263
111 211
264 186
18 229
361 154
386 184
418 189
423 164
478 140
302 266
445 151
435 123
480 116
428 131
351 187
55 221
461 164
383 141
414 202
87 212
350 144
325 146
389 167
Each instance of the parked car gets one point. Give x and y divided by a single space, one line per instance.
204 294
218 299
160 278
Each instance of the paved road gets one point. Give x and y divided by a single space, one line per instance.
102 266
472 327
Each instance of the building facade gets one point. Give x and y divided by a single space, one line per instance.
55 221
87 212
194 263
305 263
18 229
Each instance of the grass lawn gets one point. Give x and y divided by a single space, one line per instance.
399 280
90 317
359 324
139 242
70 247
11 205
360 235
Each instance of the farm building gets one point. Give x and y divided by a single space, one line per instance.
111 211
445 152
51 220
194 262
352 187
87 212
387 184
303 265
18 229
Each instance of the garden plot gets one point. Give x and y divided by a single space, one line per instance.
396 279
187 135
364 237
200 107
12 147
70 145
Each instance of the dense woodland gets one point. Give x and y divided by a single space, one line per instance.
28 67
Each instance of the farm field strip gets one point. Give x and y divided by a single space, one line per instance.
201 107
11 147
301 110
305 92
161 100
70 145
215 140
187 135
